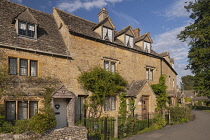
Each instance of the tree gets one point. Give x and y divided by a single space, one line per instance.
101 84
187 82
160 90
198 33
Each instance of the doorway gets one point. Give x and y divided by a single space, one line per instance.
145 106
60 109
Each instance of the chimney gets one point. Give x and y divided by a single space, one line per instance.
102 15
136 32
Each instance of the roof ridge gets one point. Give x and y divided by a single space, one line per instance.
73 15
27 7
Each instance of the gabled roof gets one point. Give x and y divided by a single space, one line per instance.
123 31
63 92
189 93
171 93
135 87
200 98
143 37
48 38
27 16
107 19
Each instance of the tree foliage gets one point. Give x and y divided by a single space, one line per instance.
160 90
102 84
198 33
123 105
187 82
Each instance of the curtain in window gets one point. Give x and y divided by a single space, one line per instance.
126 40
105 32
106 65
107 104
22 28
10 110
22 110
31 30
151 74
112 67
22 25
33 69
33 107
113 103
110 34
23 67
147 74
131 42
12 65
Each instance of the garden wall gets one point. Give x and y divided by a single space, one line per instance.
67 133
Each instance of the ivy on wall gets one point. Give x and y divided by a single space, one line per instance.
160 91
101 84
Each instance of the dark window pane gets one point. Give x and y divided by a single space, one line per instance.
23 67
33 108
33 69
22 110
10 110
22 27
13 66
113 103
31 30
107 104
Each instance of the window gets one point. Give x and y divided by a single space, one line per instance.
25 109
149 74
26 29
109 66
23 67
128 41
13 66
33 68
107 34
147 47
110 103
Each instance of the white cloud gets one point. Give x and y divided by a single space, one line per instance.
175 10
73 5
167 42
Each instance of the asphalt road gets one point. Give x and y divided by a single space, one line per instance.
199 129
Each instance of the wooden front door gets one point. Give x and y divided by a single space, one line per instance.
145 106
60 109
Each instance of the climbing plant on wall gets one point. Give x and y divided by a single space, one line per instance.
101 84
160 91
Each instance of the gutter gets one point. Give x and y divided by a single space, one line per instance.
37 51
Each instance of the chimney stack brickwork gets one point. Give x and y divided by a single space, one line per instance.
102 15
136 32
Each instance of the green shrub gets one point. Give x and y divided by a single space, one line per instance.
180 114
6 127
39 123
159 120
21 126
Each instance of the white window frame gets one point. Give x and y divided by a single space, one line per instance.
129 41
110 103
30 29
107 34
147 47
110 66
149 74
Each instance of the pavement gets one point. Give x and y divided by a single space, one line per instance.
199 129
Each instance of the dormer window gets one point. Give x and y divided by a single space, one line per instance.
107 34
128 41
26 29
147 47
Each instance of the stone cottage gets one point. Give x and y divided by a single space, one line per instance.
61 45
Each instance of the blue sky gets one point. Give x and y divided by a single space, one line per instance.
164 19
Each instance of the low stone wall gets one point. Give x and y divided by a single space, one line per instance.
67 133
